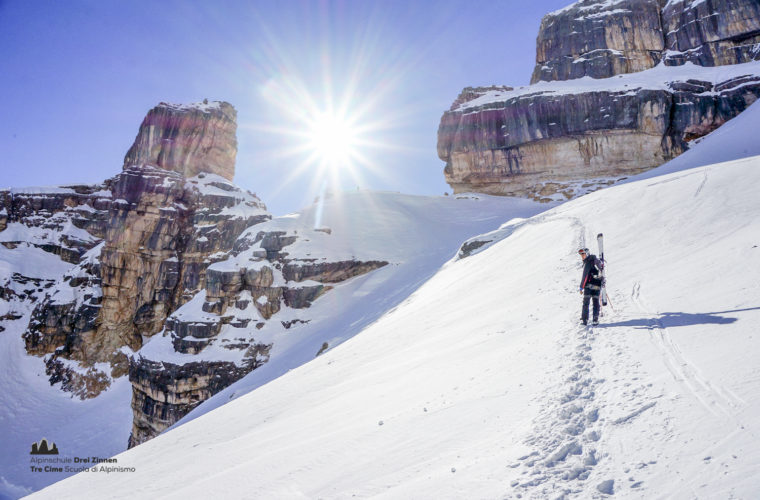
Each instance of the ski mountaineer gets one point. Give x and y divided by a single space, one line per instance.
591 284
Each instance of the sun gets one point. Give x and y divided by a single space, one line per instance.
333 138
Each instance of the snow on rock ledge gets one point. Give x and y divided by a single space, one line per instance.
541 140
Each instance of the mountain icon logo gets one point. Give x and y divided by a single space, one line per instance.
44 448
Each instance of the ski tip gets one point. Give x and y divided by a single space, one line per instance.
599 235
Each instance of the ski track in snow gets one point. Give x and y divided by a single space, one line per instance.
711 396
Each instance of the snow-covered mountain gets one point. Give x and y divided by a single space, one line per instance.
414 234
482 384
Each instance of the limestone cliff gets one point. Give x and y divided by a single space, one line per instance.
262 289
174 276
159 232
565 135
712 32
64 220
599 39
187 139
603 38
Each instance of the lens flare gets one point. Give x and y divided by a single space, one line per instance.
333 138
329 110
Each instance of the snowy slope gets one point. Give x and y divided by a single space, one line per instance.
30 408
483 385
416 234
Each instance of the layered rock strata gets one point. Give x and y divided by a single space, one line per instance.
171 247
711 33
599 39
603 38
64 220
62 328
565 135
188 139
160 232
238 308
540 143
165 392
70 222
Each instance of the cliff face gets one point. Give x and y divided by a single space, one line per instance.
167 250
158 234
712 32
603 38
188 139
599 39
565 135
541 144
234 318
66 221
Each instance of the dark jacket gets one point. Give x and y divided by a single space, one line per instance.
592 273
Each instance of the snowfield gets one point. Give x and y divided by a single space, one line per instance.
483 384
416 234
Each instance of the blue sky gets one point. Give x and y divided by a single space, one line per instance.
78 77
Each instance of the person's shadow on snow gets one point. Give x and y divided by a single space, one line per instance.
674 319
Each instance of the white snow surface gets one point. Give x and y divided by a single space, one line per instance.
657 78
418 234
200 106
30 408
587 5
482 384
414 234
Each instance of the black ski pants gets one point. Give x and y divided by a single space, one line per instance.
590 296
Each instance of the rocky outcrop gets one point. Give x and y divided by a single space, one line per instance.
67 221
565 135
64 220
711 32
158 254
603 38
162 393
540 144
599 38
262 277
63 330
187 139
164 224
160 230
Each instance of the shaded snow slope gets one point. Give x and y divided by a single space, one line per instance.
483 385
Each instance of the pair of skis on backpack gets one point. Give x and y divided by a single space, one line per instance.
603 295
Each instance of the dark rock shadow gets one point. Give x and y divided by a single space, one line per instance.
675 319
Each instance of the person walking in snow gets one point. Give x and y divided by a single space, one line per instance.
591 284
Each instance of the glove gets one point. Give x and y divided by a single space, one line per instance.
580 290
